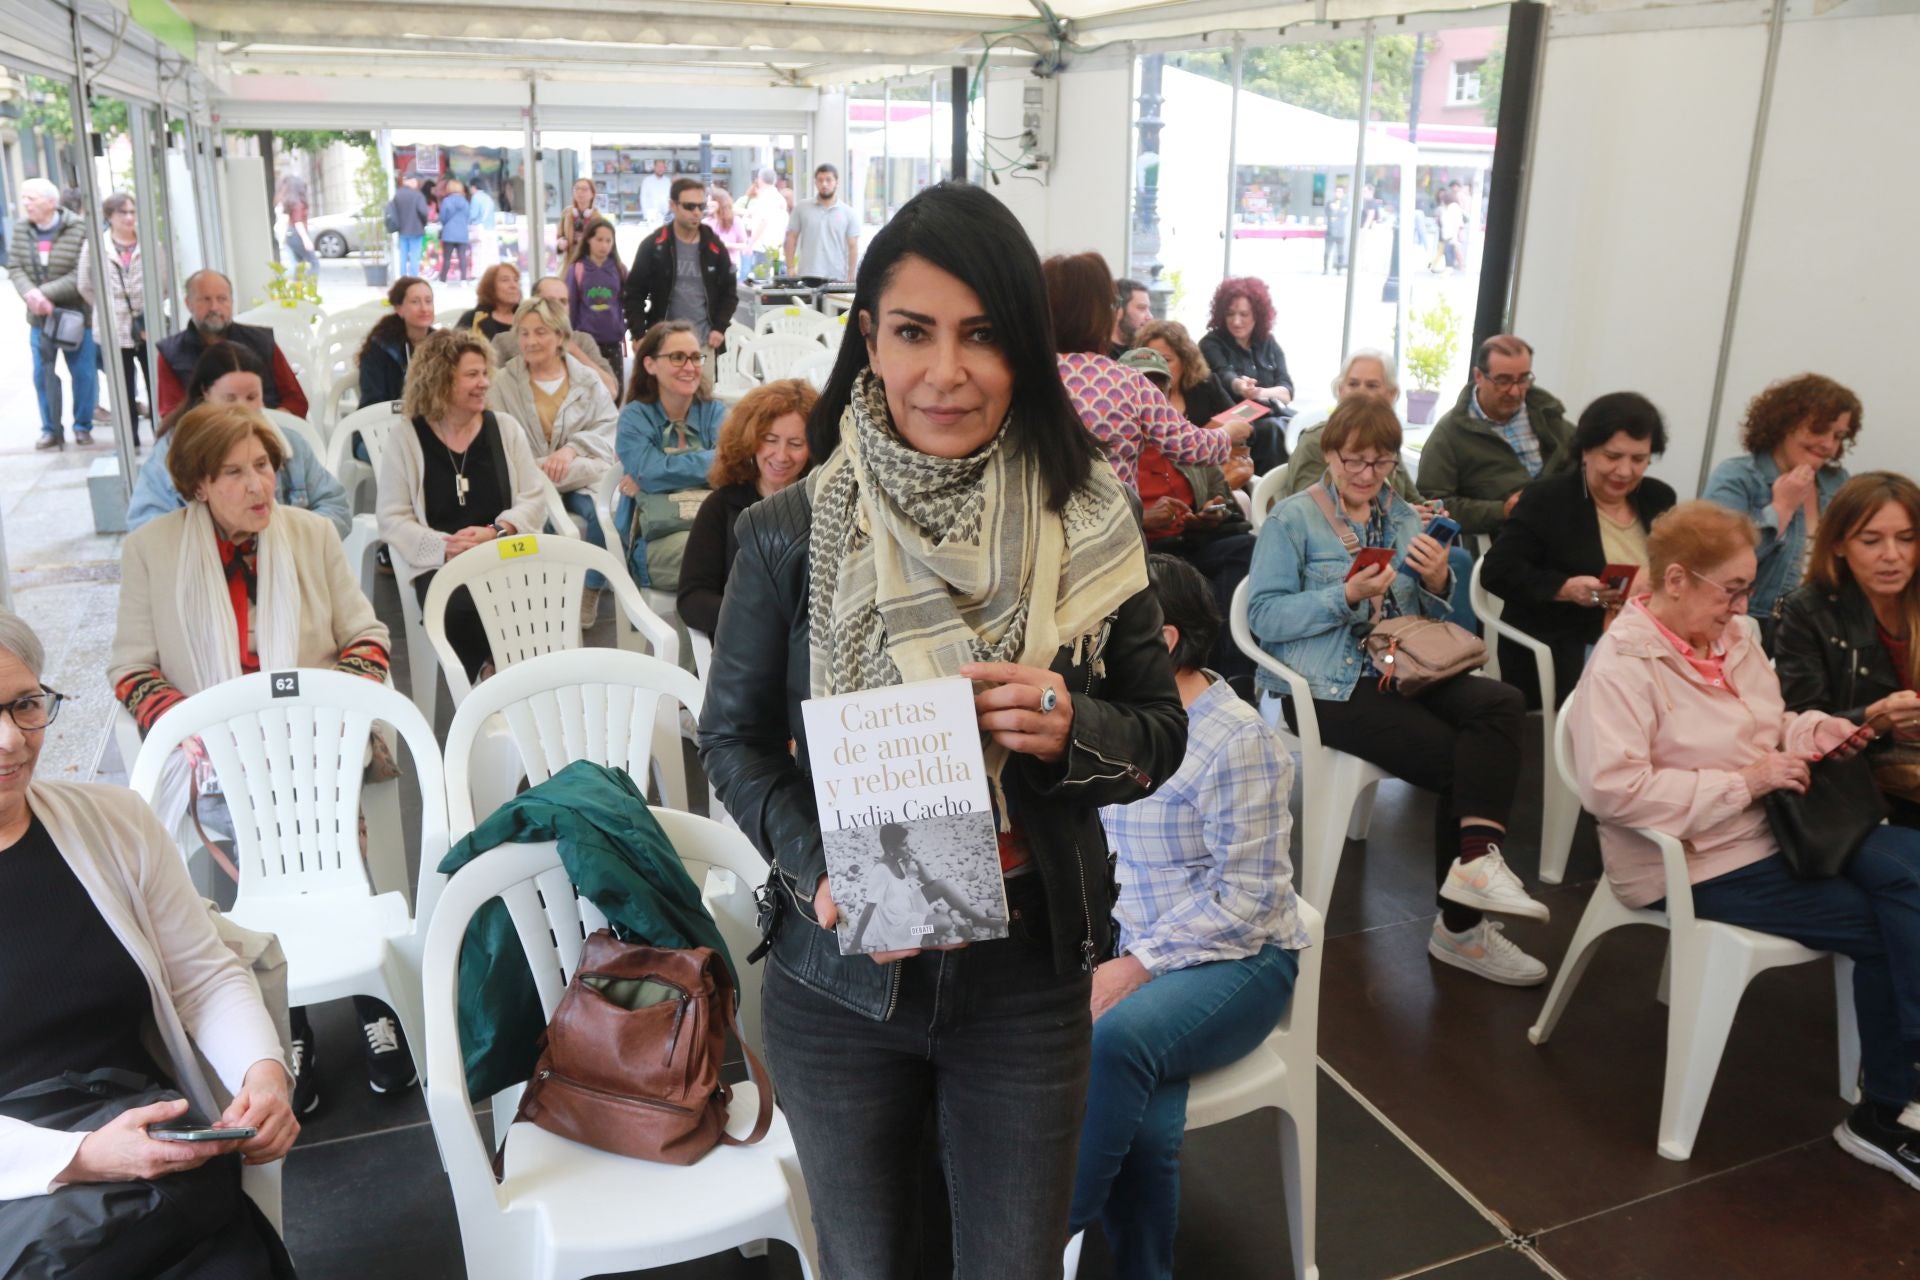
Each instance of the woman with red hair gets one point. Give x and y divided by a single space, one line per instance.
1248 363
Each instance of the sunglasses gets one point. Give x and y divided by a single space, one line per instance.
694 206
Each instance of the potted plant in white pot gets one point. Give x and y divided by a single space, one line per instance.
1436 340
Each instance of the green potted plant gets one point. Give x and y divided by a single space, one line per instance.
1436 341
370 184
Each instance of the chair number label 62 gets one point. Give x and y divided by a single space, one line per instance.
520 544
285 684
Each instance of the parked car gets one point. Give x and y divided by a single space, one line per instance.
336 235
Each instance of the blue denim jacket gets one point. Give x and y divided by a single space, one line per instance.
1745 483
1296 595
303 482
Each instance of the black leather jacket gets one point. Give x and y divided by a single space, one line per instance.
1129 736
1827 650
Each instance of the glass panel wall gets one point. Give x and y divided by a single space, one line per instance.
1180 200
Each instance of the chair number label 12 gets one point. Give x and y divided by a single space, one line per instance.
520 544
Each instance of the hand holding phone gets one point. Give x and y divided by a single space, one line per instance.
1369 558
1443 531
1619 577
183 1131
1851 745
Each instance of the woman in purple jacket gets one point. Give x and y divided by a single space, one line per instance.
595 277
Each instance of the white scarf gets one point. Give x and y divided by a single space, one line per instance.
213 638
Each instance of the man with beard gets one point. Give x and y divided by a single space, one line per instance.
210 302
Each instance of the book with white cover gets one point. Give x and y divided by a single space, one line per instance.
913 858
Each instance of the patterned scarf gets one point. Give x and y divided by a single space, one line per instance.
921 564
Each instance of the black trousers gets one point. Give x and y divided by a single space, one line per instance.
1517 668
617 358
1268 444
465 632
130 359
1460 740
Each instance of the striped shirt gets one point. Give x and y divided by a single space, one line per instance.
1517 432
1203 866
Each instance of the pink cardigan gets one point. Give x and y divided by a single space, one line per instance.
1654 745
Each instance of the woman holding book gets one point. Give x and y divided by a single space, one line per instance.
962 523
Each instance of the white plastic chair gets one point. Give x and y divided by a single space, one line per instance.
1336 789
702 645
342 398
1266 492
798 322
738 334
1280 1073
1560 804
564 1210
292 424
776 355
816 369
290 765
371 422
1708 968
609 706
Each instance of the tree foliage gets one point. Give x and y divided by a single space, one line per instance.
312 141
1491 72
1323 77
49 110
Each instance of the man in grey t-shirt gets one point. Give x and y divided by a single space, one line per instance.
683 272
823 238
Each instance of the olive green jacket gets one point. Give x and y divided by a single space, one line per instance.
1469 465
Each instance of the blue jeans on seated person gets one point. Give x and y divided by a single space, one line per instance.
1460 602
1872 914
580 503
1145 1049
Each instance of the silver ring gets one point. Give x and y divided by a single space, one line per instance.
1596 597
1048 700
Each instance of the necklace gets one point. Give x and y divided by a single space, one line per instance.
459 464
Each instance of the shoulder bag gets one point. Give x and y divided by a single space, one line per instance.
631 1061
1412 653
1819 831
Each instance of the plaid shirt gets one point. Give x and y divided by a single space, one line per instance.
1517 432
1204 874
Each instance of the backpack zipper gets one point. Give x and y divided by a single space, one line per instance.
634 1100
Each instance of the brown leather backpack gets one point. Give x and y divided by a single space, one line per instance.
631 1061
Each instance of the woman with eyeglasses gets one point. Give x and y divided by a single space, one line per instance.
1550 559
127 301
666 438
1459 739
1680 726
1795 433
114 988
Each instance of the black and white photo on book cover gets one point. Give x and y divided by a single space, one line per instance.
912 853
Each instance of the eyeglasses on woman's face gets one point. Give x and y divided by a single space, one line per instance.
1737 597
1367 466
681 359
35 711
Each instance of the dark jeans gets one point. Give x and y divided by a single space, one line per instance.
1872 914
1224 560
451 252
1268 444
465 632
1459 739
618 359
1145 1049
990 1043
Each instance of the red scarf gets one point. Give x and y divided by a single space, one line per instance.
240 560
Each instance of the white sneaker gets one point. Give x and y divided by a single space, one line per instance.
1485 950
589 607
1485 884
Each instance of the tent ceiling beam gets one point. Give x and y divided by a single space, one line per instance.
320 50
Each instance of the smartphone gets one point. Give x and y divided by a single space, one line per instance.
1858 738
1619 577
1368 557
1441 530
179 1131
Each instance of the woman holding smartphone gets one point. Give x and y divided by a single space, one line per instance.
1561 557
1311 606
961 523
1846 644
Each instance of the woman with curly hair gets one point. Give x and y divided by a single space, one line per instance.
1191 385
762 450
1795 433
1248 363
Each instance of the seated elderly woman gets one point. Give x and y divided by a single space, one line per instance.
1367 372
230 584
1846 639
454 480
568 417
762 450
1549 562
230 374
583 348
666 439
114 987
1312 607
1209 935
1680 727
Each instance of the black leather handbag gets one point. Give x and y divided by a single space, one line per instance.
1820 830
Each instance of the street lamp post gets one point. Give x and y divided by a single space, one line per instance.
1146 265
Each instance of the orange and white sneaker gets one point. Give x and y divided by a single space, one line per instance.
1486 884
1485 950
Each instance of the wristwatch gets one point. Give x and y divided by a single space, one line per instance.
501 530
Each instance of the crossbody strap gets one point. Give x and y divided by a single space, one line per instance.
1348 538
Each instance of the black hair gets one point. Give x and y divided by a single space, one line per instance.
1124 289
1187 605
215 363
1618 411
1499 344
967 233
825 168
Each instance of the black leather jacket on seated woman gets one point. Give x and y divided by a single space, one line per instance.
1129 736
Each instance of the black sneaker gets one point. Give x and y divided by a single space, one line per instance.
1892 1147
389 1062
306 1082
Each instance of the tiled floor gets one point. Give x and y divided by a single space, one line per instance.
1450 1147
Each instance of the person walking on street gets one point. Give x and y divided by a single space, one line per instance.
767 215
682 272
125 279
291 196
44 265
455 236
596 282
407 215
823 236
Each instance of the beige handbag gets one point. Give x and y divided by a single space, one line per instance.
1414 654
